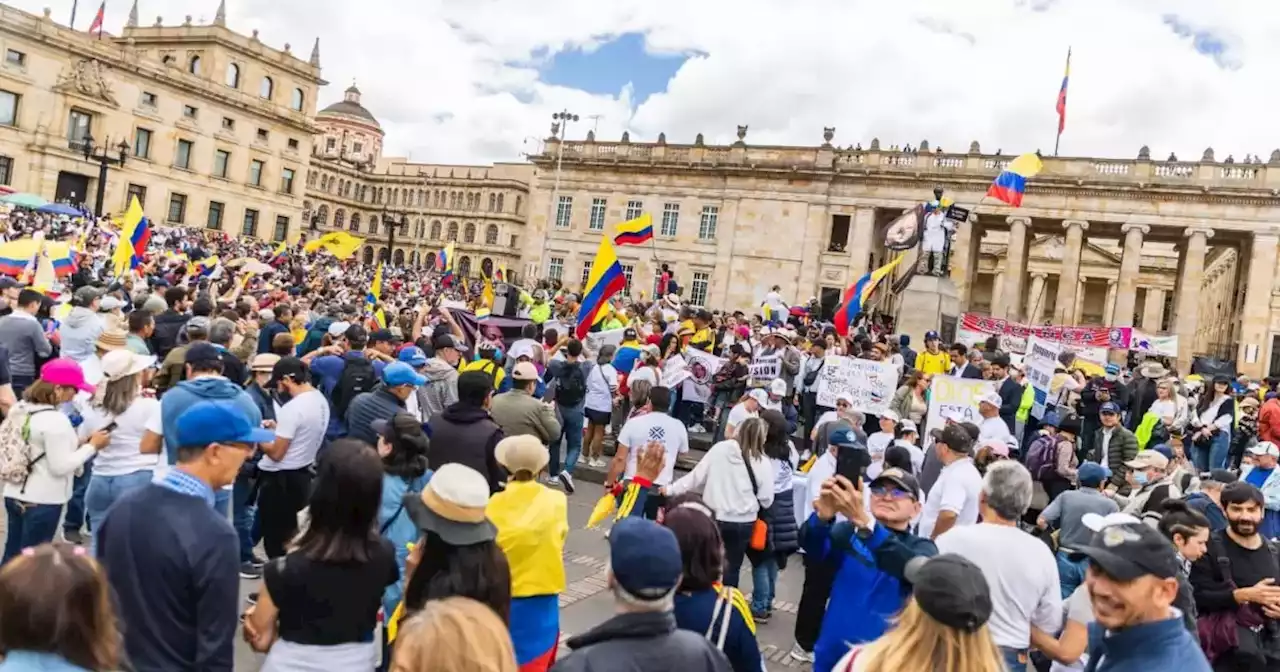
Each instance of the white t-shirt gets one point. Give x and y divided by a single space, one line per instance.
956 490
656 426
1023 576
876 445
303 421
602 380
739 414
121 455
645 373
1164 408
823 468
994 428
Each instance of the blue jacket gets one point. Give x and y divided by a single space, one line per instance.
868 590
694 611
1162 645
187 393
1217 517
394 524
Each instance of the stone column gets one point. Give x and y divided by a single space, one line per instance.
1188 320
1153 310
1035 298
1109 312
1255 321
997 291
862 233
963 270
1125 292
1065 309
1082 290
1015 268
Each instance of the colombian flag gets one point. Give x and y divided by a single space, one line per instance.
855 298
1012 183
444 262
60 257
637 231
1062 96
535 631
135 234
16 256
375 293
604 280
204 267
279 254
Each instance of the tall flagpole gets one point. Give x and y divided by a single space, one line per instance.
74 5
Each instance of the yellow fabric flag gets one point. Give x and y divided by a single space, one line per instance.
487 296
339 243
375 293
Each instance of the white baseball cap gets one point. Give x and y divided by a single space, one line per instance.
338 328
778 387
1264 448
759 395
909 426
990 398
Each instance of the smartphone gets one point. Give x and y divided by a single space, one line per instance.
111 426
852 463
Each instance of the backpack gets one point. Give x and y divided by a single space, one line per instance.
15 447
571 385
1042 456
357 376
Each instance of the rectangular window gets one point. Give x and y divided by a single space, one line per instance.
142 143
214 220
564 212
627 270
250 227
255 173
330 144
15 57
293 144
263 135
177 208
135 190
839 233
586 272
228 124
6 170
357 148
182 158
149 99
189 111
282 228
698 288
634 209
596 223
9 108
286 181
79 124
670 219
220 160
555 267
707 227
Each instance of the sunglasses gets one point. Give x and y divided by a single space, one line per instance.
892 493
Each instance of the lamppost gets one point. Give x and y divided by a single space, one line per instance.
391 231
559 122
104 162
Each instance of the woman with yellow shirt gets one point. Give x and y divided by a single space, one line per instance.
532 522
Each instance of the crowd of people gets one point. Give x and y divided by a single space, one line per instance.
397 473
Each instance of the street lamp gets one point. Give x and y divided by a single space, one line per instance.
387 216
559 122
105 161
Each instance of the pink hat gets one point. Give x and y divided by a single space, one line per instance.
65 372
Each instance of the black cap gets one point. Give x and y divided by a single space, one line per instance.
629 334
288 367
202 353
356 333
955 436
899 478
951 590
1132 550
380 336
1070 424
446 341
1223 476
7 282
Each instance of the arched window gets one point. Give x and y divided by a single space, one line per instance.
469 236
373 225
355 222
267 88
297 100
453 200
368 255
339 218
435 230
475 201
453 232
193 66
430 260
233 76
422 198
491 235
437 198
499 202
324 215
486 268
398 258
464 267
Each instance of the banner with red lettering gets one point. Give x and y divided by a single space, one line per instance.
1015 332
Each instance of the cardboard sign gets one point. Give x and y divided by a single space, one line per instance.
1042 357
955 399
870 384
598 339
765 368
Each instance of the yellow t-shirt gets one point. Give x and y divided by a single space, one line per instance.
932 364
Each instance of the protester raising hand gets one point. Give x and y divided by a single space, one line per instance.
650 461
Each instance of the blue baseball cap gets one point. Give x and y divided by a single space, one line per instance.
931 336
644 558
844 437
399 373
413 356
1092 473
1109 407
218 422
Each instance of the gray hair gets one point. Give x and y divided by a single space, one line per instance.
635 604
1007 489
606 353
640 393
221 331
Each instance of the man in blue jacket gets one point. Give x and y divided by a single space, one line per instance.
871 550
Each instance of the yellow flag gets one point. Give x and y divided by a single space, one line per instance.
339 243
487 296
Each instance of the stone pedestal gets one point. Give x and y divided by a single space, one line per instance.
925 300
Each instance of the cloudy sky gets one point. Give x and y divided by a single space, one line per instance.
477 80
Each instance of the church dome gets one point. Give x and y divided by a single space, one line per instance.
349 107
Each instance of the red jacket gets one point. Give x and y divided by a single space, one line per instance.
1269 421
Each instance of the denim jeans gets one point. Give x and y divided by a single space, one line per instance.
1215 455
76 513
222 502
29 525
1015 660
244 516
20 384
736 537
1070 573
571 419
102 492
764 581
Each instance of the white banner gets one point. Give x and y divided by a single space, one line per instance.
970 337
765 368
601 338
1164 346
955 399
870 384
674 372
1042 357
701 367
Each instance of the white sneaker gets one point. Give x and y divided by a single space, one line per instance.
697 429
567 481
601 462
800 654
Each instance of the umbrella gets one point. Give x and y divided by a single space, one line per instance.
60 209
24 200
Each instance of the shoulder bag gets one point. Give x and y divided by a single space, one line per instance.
759 529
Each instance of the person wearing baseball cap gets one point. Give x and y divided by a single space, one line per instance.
286 468
1262 474
993 427
518 411
933 361
953 499
148 537
1208 500
1113 445
750 407
1149 482
442 375
83 325
1133 583
399 382
328 365
1067 513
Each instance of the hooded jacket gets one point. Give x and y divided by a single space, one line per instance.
187 393
440 391
168 326
467 435
315 334
80 333
641 642
726 487
396 527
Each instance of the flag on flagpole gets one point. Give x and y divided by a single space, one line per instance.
603 281
96 26
375 293
444 263
1062 96
857 296
1010 184
339 243
135 234
636 231
279 254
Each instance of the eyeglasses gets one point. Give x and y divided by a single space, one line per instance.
892 493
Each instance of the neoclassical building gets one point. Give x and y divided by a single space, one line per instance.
215 127
412 209
1184 247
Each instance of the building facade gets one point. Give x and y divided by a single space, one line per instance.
215 127
1190 246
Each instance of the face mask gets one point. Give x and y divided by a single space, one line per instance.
1111 377
1140 477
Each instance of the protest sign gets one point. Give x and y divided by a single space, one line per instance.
765 368
870 384
953 398
598 339
1042 357
701 367
674 372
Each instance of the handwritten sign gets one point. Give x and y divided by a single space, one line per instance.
870 384
702 366
765 368
1042 357
955 399
599 339
674 371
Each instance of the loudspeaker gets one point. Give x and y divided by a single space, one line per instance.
506 300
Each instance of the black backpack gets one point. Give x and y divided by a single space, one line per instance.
571 385
357 376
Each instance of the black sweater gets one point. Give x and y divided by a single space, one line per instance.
173 564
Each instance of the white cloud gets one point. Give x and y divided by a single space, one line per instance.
457 81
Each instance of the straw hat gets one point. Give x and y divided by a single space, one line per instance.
112 340
522 453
